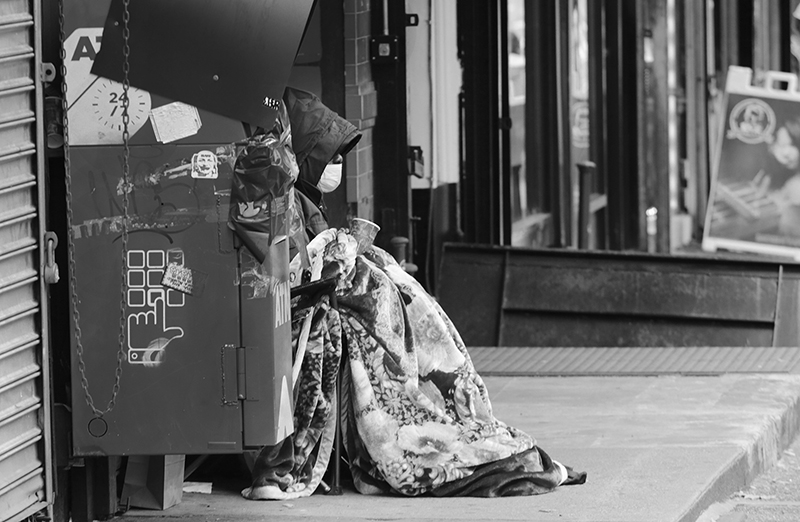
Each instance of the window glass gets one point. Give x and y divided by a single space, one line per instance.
520 203
578 97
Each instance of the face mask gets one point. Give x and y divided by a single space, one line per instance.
331 177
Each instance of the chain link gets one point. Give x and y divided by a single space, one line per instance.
76 317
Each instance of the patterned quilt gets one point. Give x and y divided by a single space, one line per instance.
416 417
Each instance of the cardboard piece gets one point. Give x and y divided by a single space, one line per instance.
153 482
204 488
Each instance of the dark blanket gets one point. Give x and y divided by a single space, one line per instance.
416 417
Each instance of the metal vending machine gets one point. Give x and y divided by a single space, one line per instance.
181 339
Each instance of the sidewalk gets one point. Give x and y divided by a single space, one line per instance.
655 449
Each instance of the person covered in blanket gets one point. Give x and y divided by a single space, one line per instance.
320 140
416 417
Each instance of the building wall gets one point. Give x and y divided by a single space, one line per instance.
361 106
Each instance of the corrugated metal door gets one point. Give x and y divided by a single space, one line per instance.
25 457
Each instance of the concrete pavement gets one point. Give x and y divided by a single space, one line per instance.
655 449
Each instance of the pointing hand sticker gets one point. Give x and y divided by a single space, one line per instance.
148 328
148 333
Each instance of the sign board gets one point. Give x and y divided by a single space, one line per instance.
232 58
754 204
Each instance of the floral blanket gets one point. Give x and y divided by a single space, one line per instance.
416 418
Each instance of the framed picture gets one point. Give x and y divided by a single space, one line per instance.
754 204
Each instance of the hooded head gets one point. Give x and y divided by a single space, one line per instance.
318 136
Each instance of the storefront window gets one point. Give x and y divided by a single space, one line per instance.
578 96
520 203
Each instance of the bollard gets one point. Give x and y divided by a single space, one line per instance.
586 170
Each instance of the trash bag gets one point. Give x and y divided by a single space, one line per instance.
263 209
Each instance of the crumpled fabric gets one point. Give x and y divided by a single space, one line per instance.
416 416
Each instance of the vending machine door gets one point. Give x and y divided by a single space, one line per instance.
191 335
154 352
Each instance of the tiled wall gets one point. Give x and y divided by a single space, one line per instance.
361 105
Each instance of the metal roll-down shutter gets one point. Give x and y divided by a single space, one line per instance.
25 474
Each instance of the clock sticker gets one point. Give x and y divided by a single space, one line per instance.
107 100
94 103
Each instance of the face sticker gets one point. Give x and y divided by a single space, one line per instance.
204 165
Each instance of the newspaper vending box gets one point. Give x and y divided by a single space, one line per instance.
181 340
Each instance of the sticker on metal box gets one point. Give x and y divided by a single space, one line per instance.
183 279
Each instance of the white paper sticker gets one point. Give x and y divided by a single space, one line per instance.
175 121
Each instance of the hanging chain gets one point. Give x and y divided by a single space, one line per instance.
76 318
126 167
